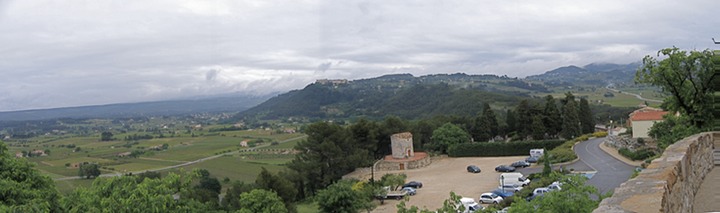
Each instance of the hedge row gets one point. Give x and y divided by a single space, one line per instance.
641 154
500 148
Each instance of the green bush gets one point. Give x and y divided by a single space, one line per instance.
641 154
599 134
500 148
562 155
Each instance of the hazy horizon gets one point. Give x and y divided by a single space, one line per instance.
60 54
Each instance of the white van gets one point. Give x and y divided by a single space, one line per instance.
537 152
513 178
470 205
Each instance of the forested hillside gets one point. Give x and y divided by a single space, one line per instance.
402 95
596 74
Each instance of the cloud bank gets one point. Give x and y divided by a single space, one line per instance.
72 53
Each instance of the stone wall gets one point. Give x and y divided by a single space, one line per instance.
670 182
622 142
402 145
385 165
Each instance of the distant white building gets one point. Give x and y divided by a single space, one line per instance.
642 121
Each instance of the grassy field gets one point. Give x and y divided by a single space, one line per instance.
619 99
180 149
238 167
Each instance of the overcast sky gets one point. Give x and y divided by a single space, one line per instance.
87 52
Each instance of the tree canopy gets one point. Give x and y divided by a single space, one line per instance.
447 135
687 77
89 170
261 201
23 188
340 197
124 194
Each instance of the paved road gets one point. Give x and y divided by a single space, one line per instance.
609 172
636 95
182 164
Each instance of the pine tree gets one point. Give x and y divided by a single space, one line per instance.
587 123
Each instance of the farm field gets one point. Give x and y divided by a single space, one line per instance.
618 100
64 154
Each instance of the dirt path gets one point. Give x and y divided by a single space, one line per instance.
158 159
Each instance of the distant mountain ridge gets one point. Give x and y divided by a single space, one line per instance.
228 103
402 95
399 94
595 74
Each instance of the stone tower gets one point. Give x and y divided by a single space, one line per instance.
402 145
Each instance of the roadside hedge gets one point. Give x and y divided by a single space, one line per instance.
641 154
489 149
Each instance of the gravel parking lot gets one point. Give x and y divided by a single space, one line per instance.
449 174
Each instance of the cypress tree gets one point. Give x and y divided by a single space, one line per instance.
510 120
523 118
552 118
571 121
538 128
490 119
587 123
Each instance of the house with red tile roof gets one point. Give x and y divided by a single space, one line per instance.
641 121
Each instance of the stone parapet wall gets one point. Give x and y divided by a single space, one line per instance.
670 182
385 165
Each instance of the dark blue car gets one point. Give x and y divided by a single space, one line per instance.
503 194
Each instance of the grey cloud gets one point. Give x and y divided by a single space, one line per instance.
211 75
324 67
69 54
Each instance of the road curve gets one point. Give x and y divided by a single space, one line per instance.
179 165
610 173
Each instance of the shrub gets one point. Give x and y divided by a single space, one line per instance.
599 134
562 155
641 154
582 138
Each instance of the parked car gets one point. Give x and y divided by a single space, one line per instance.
537 193
511 187
555 186
511 178
504 210
410 190
413 184
532 159
473 169
521 163
470 205
503 193
505 168
490 198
